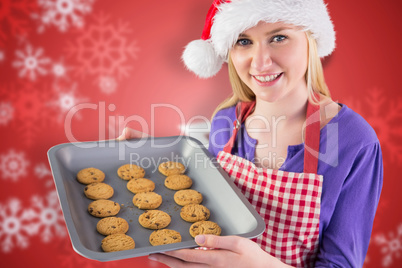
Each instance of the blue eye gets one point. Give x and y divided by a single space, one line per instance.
279 38
243 42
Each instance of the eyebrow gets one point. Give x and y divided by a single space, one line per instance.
270 32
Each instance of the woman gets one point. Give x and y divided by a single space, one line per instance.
310 166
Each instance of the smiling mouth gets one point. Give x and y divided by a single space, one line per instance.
267 78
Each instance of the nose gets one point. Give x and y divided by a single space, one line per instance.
261 58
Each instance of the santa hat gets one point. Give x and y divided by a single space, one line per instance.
226 20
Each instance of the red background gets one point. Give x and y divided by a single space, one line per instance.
136 46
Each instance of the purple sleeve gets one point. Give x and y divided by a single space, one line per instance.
221 130
345 240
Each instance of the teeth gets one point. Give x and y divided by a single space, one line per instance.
267 78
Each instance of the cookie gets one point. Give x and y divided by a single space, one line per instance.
117 242
130 171
148 200
140 185
171 168
103 208
194 213
178 182
98 190
90 175
154 219
112 225
205 227
186 197
164 237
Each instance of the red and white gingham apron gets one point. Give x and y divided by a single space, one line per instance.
289 202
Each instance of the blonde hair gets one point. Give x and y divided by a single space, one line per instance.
314 78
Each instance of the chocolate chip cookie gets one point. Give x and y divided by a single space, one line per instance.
117 242
98 190
140 185
112 225
103 208
130 171
154 219
178 182
148 200
186 197
164 237
90 175
194 213
205 227
171 168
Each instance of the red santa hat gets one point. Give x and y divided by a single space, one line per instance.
227 19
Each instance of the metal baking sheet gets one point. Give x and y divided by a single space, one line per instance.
229 208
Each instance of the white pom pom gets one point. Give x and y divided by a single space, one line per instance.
199 57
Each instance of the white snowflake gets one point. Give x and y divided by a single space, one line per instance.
107 84
31 62
2 56
63 13
15 227
6 112
391 247
48 218
42 171
60 70
13 165
65 101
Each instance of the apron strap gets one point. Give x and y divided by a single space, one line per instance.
243 110
312 134
312 138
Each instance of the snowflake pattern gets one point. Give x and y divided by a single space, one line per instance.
30 113
6 112
47 217
31 62
42 172
14 17
65 101
15 226
62 13
59 70
13 165
103 49
107 84
382 113
391 246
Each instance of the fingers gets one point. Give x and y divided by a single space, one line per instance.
199 257
232 243
174 262
226 249
129 133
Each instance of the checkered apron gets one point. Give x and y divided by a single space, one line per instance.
289 202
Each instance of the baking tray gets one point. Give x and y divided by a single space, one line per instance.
229 208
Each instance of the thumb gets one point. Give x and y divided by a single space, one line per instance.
129 133
122 135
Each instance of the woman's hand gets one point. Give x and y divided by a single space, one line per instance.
129 133
228 251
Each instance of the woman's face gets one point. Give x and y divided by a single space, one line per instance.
271 59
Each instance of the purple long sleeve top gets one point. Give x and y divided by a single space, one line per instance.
350 161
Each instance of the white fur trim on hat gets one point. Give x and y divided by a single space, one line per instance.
199 57
236 16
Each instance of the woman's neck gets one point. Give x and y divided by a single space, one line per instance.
292 106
